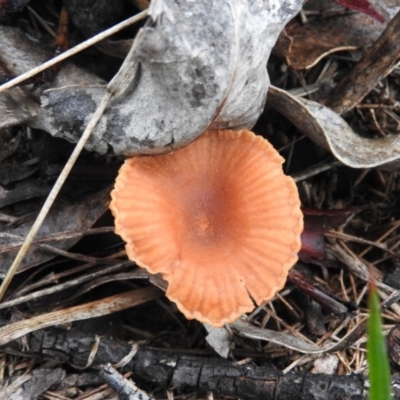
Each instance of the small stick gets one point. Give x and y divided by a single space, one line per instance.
126 389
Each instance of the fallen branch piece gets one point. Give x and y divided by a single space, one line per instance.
187 372
377 62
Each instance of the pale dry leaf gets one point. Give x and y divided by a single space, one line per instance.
219 339
303 45
75 215
331 131
291 341
193 63
17 106
327 364
281 338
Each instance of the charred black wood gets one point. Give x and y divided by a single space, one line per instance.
159 370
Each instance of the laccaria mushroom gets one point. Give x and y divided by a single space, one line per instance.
218 219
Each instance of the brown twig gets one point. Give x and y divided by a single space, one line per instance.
377 62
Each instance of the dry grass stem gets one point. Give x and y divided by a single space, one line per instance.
94 309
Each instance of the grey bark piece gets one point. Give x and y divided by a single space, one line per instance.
193 63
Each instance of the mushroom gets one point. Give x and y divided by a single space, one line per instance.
218 219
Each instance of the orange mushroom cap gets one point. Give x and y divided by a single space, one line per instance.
217 218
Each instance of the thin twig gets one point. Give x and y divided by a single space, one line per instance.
316 169
63 286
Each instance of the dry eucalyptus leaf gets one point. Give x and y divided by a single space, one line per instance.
193 63
304 45
17 106
115 48
18 53
219 339
293 342
329 130
281 338
74 215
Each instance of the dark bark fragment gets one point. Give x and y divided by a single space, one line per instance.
183 372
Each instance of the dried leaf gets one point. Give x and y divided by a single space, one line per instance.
73 215
291 341
325 300
363 6
393 342
218 339
316 223
304 45
195 63
16 107
329 130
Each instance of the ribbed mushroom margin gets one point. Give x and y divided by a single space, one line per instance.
218 219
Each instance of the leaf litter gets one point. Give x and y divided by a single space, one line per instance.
326 29
367 239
